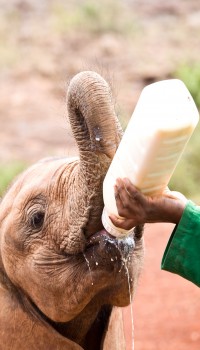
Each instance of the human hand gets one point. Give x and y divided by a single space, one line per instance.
134 208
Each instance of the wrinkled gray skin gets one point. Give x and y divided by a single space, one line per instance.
50 230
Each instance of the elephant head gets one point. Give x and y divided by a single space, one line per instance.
56 260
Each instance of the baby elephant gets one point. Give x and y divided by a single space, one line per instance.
63 278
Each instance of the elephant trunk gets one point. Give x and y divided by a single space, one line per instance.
97 132
92 115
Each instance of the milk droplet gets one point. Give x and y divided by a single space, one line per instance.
89 268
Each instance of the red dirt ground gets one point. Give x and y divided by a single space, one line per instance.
166 306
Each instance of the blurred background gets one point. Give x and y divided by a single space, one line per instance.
132 43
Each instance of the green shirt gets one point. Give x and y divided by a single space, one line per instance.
182 254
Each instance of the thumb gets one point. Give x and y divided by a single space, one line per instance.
174 195
126 224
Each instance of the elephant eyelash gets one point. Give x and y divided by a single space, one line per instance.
35 214
39 200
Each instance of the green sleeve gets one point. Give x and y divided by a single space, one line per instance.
182 254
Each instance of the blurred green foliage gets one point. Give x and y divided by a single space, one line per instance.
95 17
186 178
9 52
190 75
8 172
26 34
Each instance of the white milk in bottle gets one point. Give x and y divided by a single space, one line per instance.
157 133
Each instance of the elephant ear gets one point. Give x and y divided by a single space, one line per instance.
97 132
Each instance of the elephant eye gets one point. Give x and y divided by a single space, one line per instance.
37 220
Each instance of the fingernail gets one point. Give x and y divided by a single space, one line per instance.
126 180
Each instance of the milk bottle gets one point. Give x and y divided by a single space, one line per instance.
157 133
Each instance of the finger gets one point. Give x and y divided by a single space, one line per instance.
119 182
122 222
122 200
175 195
125 202
117 196
120 205
121 194
131 189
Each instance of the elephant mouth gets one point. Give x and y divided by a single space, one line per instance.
105 245
124 244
